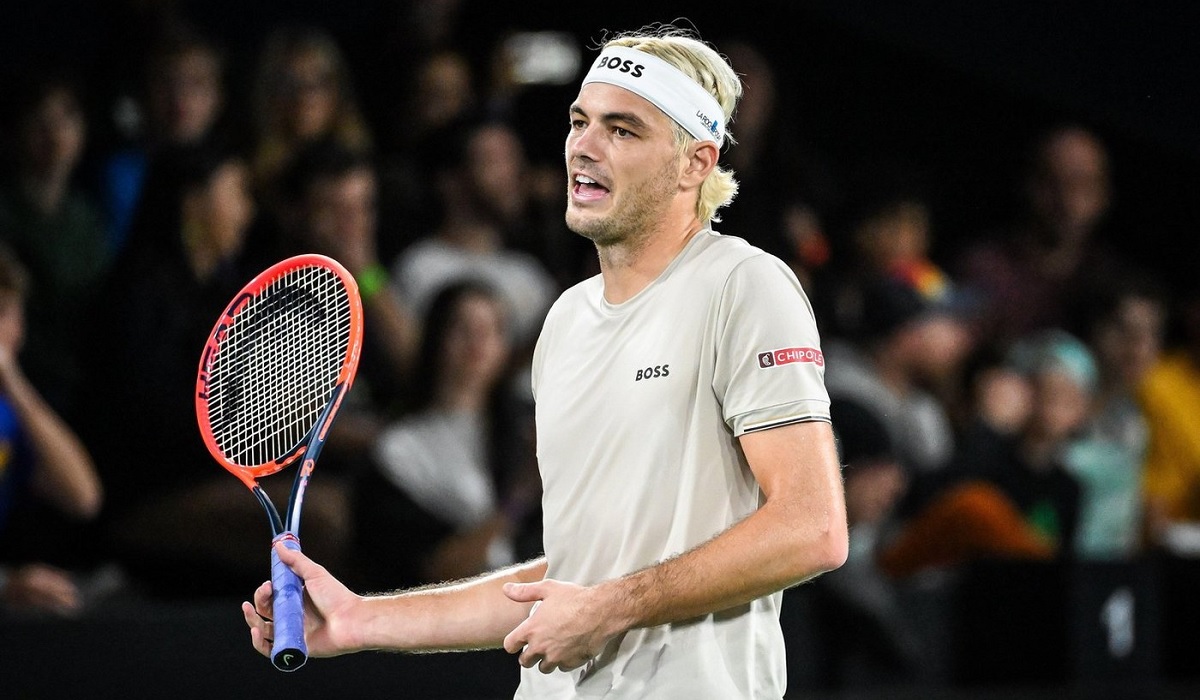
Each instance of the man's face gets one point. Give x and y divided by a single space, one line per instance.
622 167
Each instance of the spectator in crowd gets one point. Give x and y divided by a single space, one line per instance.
182 267
1009 496
442 94
41 460
183 99
522 73
1123 324
1030 276
330 206
1170 397
453 482
303 93
908 339
54 229
884 229
479 187
421 69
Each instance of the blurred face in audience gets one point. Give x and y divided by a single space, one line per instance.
185 96
223 208
1060 405
936 345
1070 191
341 215
1128 343
496 168
53 135
895 236
476 348
306 95
443 90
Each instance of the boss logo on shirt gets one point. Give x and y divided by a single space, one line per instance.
787 356
652 372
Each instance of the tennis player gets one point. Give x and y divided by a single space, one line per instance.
689 467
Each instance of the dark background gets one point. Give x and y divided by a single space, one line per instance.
955 89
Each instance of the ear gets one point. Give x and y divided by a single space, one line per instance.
699 162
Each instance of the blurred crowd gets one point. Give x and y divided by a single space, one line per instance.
1031 397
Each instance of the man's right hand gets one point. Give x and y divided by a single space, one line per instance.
328 610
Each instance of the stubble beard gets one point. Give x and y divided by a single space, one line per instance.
631 223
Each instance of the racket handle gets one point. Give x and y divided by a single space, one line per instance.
288 651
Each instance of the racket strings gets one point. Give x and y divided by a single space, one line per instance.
278 365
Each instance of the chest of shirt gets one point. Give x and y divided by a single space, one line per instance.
621 371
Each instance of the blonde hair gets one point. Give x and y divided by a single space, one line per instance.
700 62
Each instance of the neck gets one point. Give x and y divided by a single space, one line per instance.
630 265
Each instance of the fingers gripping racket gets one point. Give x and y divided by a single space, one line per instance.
272 376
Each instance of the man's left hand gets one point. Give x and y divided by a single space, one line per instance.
567 626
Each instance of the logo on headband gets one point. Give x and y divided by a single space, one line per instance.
624 66
714 127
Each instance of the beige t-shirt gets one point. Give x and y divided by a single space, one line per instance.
639 406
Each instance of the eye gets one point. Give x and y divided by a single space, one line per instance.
578 124
622 132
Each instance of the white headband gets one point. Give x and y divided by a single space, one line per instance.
664 86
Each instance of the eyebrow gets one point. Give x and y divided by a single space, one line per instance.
608 117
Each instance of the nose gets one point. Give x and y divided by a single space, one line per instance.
582 144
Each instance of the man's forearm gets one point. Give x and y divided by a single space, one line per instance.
473 614
770 550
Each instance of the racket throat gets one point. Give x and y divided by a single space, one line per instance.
264 500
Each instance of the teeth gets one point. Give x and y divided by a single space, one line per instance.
582 179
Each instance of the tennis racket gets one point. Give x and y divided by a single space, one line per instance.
272 375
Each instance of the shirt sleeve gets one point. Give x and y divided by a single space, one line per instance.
769 370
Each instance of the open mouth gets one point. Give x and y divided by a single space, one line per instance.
585 188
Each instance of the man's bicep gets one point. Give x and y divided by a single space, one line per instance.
797 468
797 461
